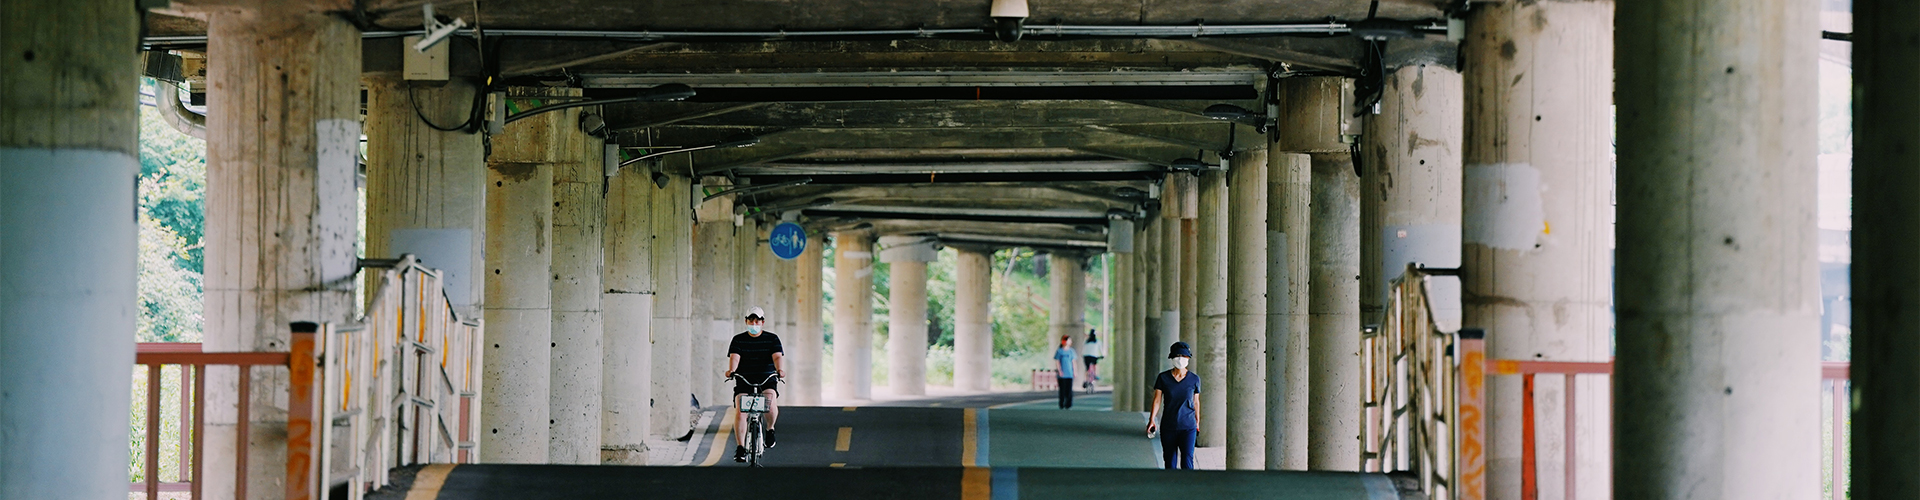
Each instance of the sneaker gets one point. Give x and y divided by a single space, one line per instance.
769 438
739 453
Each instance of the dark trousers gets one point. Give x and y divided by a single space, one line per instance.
1176 448
1066 393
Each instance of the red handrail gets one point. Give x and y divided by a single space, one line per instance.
300 423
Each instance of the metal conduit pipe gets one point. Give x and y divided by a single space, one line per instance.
167 98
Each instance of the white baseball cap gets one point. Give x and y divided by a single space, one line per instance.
755 312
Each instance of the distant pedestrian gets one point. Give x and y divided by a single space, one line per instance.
1095 351
1063 359
1179 391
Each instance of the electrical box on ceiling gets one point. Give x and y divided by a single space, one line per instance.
430 65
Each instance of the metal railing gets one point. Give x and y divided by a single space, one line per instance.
398 389
1425 396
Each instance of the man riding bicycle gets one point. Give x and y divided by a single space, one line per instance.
755 355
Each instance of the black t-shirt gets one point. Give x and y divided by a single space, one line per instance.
756 353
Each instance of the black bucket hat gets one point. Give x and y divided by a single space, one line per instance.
1179 349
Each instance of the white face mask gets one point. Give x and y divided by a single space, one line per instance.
1181 362
755 329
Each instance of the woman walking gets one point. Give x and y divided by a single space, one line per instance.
1178 390
1095 351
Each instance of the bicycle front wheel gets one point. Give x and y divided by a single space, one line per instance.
754 447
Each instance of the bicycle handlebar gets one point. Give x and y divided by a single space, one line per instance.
770 378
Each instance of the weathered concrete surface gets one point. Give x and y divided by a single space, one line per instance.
1886 349
853 314
1210 304
715 273
68 159
1151 358
1717 295
1311 121
972 324
907 327
673 322
281 226
1537 226
808 339
1410 213
1289 254
1333 310
1246 386
627 319
516 401
579 213
426 188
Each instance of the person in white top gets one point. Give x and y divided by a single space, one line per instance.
1094 351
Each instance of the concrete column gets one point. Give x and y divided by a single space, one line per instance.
673 321
1312 122
281 222
808 341
1119 342
907 326
1210 305
782 283
853 315
626 306
1538 223
1410 213
1289 250
579 214
1246 385
517 392
1067 288
1886 349
715 272
1717 373
972 324
1189 285
1151 356
1172 238
426 188
69 140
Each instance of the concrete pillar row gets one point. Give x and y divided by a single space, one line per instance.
1323 263
1410 213
1172 239
1210 303
808 344
853 314
972 321
1246 384
516 395
1120 283
627 318
907 260
1886 326
1537 225
68 159
1717 376
579 215
673 321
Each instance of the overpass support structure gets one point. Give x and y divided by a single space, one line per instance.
1537 222
1314 120
1067 286
853 314
1716 290
907 259
626 308
972 323
1247 328
67 264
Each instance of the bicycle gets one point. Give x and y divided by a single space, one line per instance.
755 407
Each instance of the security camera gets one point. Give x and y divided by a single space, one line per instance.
592 124
1009 16
436 30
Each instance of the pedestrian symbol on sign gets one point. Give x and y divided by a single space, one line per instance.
787 240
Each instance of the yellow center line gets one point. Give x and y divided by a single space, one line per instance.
976 483
844 440
837 465
968 436
714 450
849 408
427 483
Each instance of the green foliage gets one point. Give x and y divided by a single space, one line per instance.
1020 305
173 180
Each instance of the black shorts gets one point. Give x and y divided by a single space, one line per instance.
742 387
1092 360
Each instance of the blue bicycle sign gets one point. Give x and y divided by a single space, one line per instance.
787 240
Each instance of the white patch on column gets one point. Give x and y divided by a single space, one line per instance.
1503 208
337 146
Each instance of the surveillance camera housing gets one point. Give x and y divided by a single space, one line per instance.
1009 19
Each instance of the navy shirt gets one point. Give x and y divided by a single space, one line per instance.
756 353
1178 413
